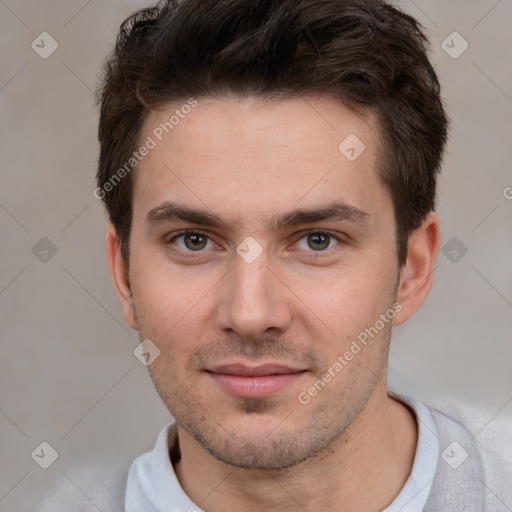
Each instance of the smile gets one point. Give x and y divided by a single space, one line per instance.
254 382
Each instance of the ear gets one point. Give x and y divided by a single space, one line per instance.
119 272
417 273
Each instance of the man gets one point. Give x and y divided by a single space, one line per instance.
269 169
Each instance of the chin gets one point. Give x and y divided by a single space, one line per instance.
260 439
258 451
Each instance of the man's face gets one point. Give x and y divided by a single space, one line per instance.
252 310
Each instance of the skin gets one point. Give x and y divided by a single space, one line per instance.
247 161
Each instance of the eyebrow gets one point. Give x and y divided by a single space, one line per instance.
335 211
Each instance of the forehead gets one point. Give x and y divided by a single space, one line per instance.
259 157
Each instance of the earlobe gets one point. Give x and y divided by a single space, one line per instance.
120 276
417 273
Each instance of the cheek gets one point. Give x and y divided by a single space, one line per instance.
168 303
347 301
161 286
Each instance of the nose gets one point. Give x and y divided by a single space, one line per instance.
254 300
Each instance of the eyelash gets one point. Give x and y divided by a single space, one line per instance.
337 238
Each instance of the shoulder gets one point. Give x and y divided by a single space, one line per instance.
89 491
488 433
475 461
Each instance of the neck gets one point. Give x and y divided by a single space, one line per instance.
363 469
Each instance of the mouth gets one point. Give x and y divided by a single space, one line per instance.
261 381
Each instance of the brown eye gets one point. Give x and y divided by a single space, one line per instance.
318 241
191 241
195 242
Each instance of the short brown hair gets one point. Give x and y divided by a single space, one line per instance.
365 52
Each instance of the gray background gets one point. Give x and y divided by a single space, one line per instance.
68 375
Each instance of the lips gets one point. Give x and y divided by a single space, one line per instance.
255 371
261 381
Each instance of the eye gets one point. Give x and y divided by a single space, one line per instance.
192 241
318 241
